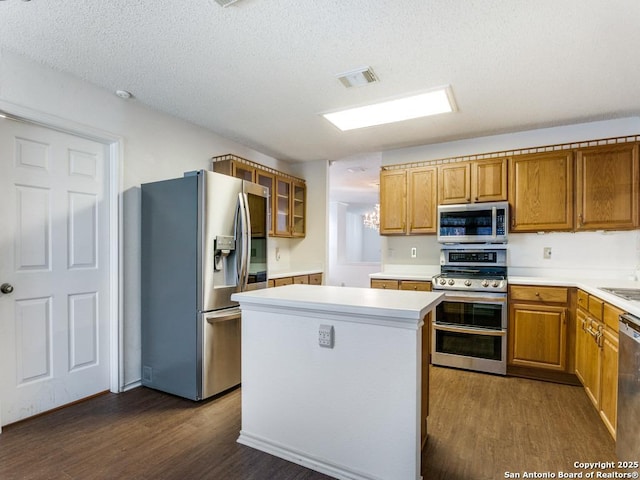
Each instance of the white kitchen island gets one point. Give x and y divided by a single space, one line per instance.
353 411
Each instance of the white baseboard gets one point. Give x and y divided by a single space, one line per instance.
131 386
319 465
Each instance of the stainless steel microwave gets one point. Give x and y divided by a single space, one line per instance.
473 223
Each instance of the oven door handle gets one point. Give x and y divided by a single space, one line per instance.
473 299
470 331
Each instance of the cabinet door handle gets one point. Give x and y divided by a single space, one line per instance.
580 220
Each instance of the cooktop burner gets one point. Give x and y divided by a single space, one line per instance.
459 271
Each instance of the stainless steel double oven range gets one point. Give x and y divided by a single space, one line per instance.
470 325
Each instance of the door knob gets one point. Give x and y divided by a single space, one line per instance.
6 288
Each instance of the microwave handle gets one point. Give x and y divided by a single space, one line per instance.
494 222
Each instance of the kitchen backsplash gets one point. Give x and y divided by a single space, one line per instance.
605 254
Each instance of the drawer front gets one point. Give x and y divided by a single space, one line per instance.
539 294
583 299
315 279
418 286
595 307
301 280
388 284
611 314
279 282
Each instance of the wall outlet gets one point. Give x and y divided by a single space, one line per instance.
546 252
414 252
326 336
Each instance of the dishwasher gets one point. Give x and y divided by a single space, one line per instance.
628 424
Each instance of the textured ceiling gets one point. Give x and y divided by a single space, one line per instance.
260 71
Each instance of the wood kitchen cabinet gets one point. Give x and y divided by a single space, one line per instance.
390 284
282 208
236 168
267 179
415 285
385 284
298 209
476 181
609 381
287 194
311 279
289 207
607 179
541 191
538 327
408 201
596 353
588 356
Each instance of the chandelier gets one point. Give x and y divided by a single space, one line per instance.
372 219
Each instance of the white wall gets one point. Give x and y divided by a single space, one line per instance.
593 254
156 146
341 271
311 252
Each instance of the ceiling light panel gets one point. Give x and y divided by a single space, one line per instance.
425 104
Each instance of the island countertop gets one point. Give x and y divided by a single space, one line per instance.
399 304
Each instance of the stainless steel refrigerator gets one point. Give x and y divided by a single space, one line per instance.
204 237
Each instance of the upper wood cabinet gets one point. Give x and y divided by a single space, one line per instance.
268 180
477 181
298 208
454 180
408 201
541 191
393 202
236 169
607 187
422 200
287 194
282 208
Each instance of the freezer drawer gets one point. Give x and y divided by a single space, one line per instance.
220 351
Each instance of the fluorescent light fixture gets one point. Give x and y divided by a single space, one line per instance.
424 104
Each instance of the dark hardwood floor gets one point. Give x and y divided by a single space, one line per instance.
480 426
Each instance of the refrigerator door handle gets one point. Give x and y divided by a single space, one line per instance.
246 253
244 232
238 237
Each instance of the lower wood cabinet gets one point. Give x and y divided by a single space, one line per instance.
385 284
609 381
311 279
541 342
538 336
588 359
388 284
596 362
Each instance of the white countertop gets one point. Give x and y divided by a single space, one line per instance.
292 273
407 272
350 300
589 285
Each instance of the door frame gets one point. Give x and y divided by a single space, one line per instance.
115 144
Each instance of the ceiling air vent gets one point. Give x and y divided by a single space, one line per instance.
225 3
358 77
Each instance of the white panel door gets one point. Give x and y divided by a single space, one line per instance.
54 252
